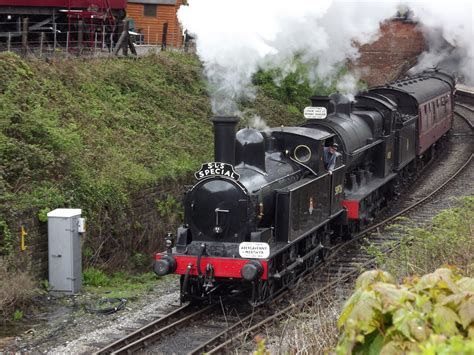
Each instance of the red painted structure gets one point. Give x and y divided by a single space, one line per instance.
70 24
352 207
73 4
223 267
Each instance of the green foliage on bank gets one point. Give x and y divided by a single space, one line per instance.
447 240
294 87
88 132
91 133
432 314
120 284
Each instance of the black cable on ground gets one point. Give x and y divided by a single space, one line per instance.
121 302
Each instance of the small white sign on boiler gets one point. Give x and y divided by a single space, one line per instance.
315 112
254 250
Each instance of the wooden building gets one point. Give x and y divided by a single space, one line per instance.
157 21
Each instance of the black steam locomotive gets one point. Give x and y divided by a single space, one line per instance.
267 210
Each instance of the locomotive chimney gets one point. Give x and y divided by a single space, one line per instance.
322 101
224 138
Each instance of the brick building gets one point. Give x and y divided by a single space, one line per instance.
156 20
396 50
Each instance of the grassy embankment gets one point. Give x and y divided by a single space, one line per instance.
96 133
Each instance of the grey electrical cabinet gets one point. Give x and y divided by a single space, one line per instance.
64 250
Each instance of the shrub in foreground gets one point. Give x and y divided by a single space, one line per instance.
432 314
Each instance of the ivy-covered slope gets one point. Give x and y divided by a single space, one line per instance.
91 133
71 127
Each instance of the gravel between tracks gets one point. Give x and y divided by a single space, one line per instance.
79 332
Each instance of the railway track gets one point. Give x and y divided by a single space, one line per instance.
463 111
230 327
464 106
155 330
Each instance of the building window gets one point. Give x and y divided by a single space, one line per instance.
149 10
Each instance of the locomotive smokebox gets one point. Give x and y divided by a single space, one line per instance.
224 138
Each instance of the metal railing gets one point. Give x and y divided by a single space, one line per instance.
60 39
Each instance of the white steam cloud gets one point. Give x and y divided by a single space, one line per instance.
449 32
259 123
235 38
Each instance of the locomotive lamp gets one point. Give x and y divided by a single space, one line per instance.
169 242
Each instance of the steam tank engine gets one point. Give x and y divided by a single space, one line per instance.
266 209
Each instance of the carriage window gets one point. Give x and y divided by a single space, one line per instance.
426 111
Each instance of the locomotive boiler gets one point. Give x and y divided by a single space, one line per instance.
266 210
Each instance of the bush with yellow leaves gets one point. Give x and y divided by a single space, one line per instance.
432 314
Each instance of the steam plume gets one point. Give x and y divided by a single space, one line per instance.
235 38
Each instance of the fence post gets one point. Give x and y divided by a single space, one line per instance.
126 27
80 36
9 41
123 41
24 36
41 43
67 41
103 37
172 37
95 43
148 35
164 37
55 28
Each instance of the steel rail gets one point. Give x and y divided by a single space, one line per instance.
158 324
151 338
307 300
467 120
469 108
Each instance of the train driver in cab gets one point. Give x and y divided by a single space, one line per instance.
330 155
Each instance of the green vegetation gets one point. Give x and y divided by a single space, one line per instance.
382 313
100 134
95 277
96 133
293 88
17 315
120 284
448 240
6 242
433 314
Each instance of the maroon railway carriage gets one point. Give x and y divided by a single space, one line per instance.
432 104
